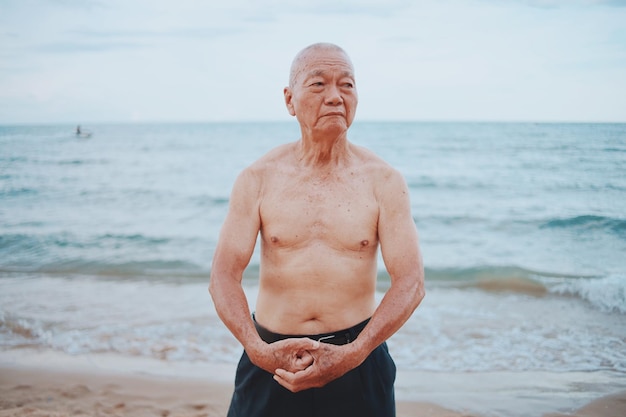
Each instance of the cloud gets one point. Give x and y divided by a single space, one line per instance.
353 8
93 41
553 4
195 32
83 47
268 11
432 59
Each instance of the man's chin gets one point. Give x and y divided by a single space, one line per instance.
332 125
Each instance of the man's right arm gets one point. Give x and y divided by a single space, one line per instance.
232 255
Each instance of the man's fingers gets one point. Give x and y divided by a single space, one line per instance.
304 361
281 373
293 381
315 345
305 343
284 377
298 344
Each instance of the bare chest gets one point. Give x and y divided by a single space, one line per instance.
339 211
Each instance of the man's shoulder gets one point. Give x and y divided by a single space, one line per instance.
253 177
381 175
373 162
273 156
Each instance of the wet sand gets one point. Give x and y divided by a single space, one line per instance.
48 384
34 391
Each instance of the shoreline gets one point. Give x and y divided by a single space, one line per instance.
36 392
47 383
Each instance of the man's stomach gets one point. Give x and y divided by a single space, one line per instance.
313 301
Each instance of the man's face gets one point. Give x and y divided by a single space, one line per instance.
323 95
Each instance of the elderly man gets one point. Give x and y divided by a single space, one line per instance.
315 345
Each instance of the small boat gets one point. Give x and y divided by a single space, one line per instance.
80 133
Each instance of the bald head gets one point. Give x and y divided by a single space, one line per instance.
298 62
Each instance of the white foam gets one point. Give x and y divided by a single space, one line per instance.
454 330
475 331
607 294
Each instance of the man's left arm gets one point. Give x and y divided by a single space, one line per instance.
399 245
400 249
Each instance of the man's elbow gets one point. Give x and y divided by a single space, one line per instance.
418 293
213 284
220 283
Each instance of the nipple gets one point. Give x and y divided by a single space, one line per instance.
274 239
364 243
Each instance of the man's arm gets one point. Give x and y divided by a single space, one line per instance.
401 254
232 255
403 260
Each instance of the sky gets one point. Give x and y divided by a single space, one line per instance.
99 61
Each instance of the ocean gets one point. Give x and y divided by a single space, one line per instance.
106 242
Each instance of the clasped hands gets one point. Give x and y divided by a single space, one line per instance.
303 363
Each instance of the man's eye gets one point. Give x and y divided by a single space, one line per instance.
317 84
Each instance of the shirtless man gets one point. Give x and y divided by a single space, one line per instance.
323 206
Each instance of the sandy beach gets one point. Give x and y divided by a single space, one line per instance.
81 387
46 392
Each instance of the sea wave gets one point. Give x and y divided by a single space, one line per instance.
108 254
583 223
18 326
152 270
495 279
603 293
617 225
423 182
85 161
17 192
607 294
20 242
135 256
483 273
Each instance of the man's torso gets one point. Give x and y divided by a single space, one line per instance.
318 245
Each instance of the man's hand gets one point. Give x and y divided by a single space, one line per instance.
329 363
293 355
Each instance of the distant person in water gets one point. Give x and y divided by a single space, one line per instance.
78 132
316 345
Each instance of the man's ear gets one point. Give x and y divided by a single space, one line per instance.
288 101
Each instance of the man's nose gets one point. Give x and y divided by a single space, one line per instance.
333 96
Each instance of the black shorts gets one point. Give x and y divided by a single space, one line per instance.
366 391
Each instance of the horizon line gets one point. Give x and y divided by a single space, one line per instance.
233 121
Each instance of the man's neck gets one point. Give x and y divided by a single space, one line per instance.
322 151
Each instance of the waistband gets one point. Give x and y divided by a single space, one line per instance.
341 337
